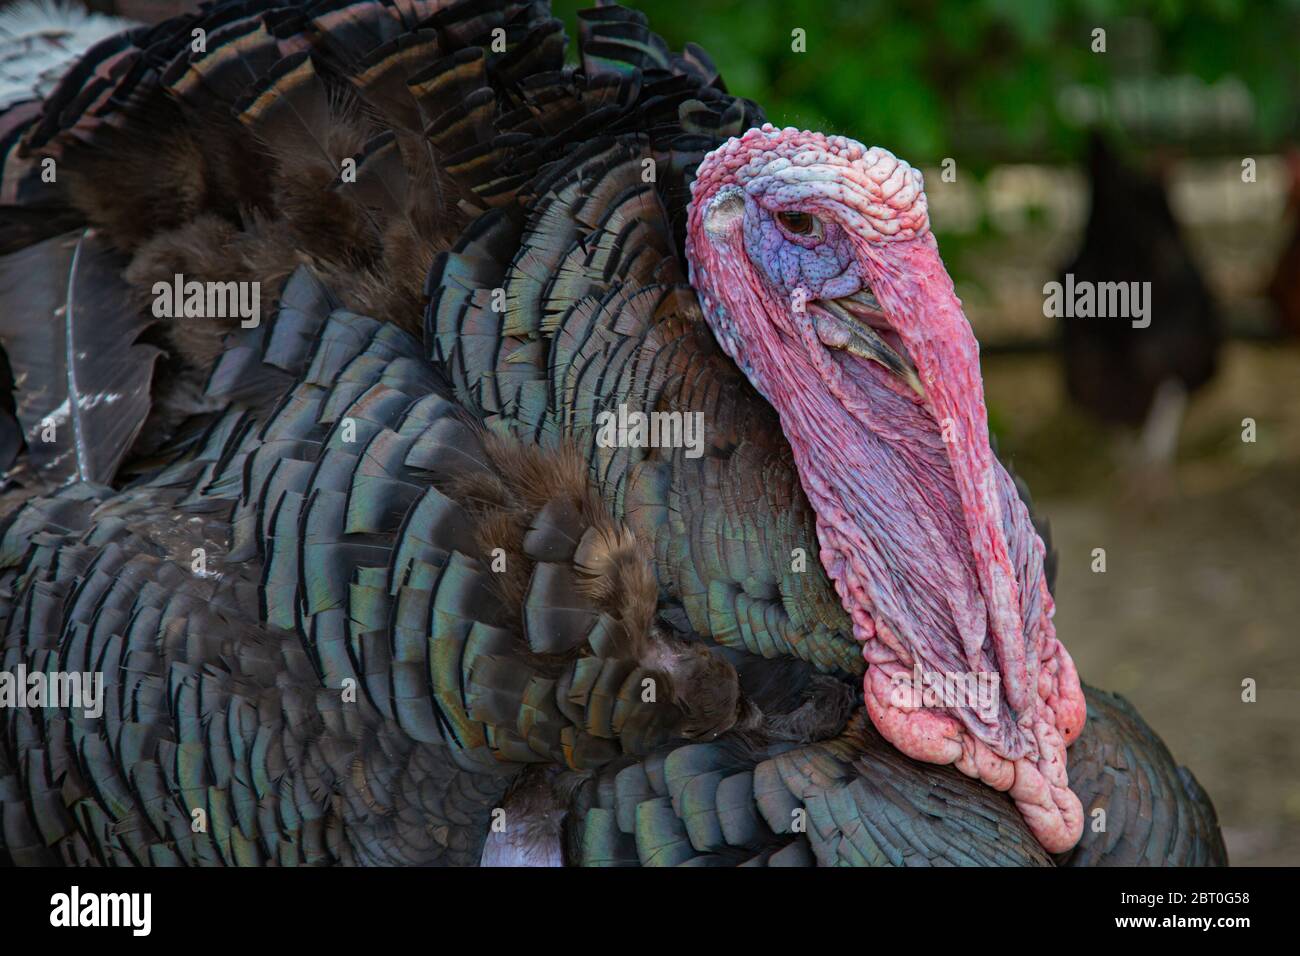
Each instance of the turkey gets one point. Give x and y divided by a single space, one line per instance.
1137 372
444 454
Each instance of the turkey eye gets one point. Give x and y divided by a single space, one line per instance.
797 223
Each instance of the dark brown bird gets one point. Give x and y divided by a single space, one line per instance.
1138 368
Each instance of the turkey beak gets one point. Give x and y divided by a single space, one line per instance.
850 323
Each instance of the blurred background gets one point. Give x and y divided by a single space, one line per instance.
1144 140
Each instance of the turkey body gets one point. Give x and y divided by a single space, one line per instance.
364 583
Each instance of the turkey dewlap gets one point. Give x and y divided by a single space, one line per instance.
932 552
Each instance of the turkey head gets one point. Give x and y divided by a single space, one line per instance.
816 267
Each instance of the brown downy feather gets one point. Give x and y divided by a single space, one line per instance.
331 224
613 572
504 499
210 248
251 200
375 267
616 576
144 186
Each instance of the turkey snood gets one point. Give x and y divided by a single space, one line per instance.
814 262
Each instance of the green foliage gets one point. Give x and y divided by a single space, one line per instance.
982 79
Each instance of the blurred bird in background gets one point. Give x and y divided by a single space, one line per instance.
1284 287
1138 376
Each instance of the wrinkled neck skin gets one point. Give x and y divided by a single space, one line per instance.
938 566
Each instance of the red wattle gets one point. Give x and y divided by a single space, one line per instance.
1038 785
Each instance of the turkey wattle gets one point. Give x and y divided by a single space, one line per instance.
362 577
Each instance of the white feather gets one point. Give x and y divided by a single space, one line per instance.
40 39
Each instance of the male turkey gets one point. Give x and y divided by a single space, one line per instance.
367 582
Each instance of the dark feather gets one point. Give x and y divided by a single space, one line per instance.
80 373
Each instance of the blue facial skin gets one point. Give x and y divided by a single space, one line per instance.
822 263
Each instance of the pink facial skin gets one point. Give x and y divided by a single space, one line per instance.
932 552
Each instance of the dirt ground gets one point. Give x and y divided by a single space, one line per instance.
1202 583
